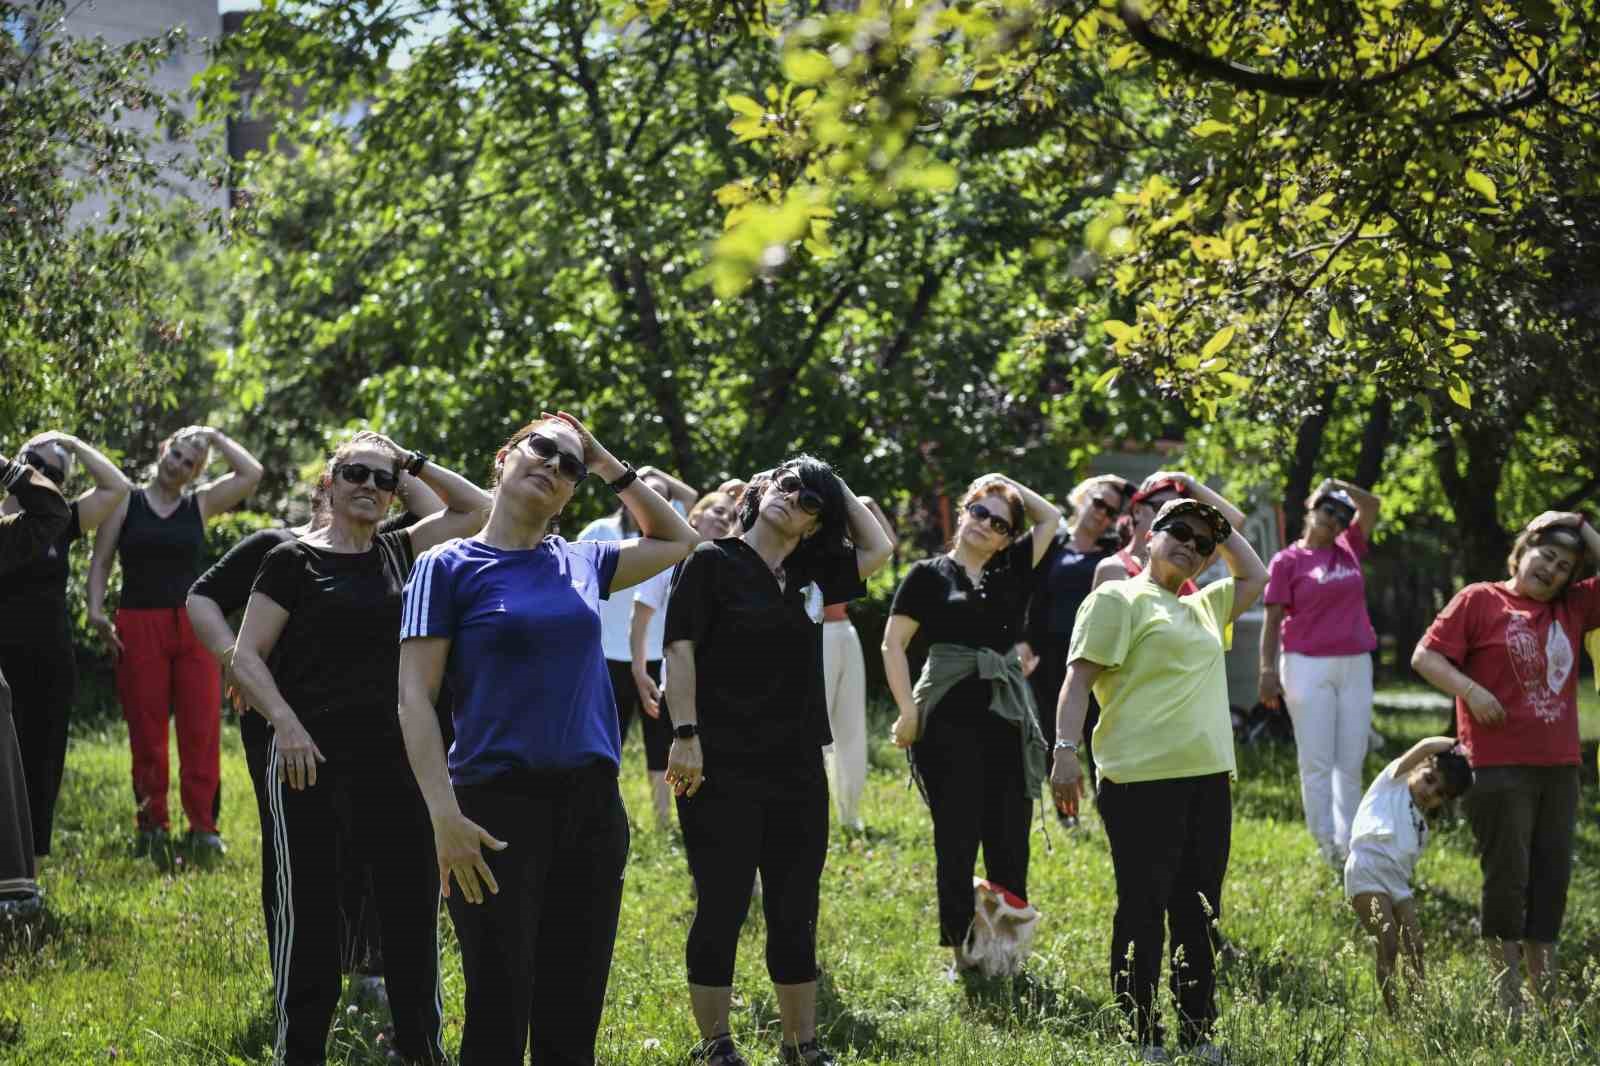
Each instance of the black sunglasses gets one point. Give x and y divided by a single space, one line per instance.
996 522
809 500
542 447
1103 507
1184 535
1333 510
54 473
357 474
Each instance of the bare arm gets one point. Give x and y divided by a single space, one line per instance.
666 539
685 759
100 561
110 486
1367 505
873 546
638 628
677 489
1270 688
897 671
227 492
877 512
297 753
466 508
1072 707
1249 572
1200 491
1444 675
1045 516
419 499
1421 752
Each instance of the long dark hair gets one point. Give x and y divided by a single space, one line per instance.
832 537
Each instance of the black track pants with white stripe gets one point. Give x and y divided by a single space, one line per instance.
370 799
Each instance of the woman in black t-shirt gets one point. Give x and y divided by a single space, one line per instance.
325 613
35 635
159 533
973 737
744 681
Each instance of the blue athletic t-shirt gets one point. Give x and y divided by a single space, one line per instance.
526 665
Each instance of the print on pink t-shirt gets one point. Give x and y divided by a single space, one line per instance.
1324 597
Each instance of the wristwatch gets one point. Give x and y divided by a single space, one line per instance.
628 476
1067 745
418 461
686 731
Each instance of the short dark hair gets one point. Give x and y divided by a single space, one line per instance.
832 536
1455 773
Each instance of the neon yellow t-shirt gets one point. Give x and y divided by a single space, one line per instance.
1164 693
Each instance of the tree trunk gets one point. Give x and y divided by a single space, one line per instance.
1307 449
1472 493
1374 442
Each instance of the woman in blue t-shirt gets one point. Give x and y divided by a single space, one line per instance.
511 616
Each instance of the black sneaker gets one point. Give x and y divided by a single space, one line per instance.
717 1051
807 1053
155 845
203 850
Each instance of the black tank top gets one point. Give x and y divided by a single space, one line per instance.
160 556
33 597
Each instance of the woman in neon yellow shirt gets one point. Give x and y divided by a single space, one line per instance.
1164 751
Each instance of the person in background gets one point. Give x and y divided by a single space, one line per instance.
713 516
744 677
976 747
35 631
25 534
1508 652
616 613
1164 747
1317 611
511 615
1154 493
158 533
1386 839
844 673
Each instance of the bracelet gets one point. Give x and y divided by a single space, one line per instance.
628 476
1067 745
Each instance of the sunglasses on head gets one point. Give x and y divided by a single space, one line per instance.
998 523
357 474
541 447
789 484
35 460
1203 544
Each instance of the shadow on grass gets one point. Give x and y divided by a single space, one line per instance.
253 1040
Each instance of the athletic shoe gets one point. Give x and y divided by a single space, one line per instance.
1208 1053
1154 1053
204 850
807 1053
717 1051
155 845
21 908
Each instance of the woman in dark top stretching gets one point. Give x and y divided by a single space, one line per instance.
326 611
159 534
512 617
35 634
970 721
745 684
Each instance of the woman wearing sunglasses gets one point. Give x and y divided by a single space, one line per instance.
1317 615
744 680
158 534
977 750
527 805
1164 749
713 516
326 610
35 633
1508 652
1061 582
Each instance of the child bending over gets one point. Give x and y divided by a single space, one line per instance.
1388 835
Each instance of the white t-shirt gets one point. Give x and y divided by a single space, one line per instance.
1389 831
616 613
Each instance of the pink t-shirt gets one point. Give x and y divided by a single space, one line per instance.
1324 597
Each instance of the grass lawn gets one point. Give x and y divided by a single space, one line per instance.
136 966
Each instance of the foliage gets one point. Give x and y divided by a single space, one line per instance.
89 332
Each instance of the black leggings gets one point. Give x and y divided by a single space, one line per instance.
537 954
657 732
747 818
43 679
970 761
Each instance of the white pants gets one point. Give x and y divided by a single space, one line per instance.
1330 703
845 672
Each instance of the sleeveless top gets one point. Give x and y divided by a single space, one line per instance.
160 556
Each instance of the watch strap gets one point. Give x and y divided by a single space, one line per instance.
686 731
418 461
628 476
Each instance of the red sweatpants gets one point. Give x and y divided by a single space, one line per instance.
164 670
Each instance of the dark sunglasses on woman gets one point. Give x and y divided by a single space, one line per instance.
54 473
996 522
1203 544
357 474
542 447
1335 512
1103 507
790 485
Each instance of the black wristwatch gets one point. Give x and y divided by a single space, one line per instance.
686 731
628 476
418 461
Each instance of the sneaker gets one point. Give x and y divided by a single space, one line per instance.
204 850
155 845
22 908
807 1053
1153 1053
717 1051
1208 1053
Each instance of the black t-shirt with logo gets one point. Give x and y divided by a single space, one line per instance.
33 597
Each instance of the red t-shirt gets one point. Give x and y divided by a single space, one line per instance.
1526 653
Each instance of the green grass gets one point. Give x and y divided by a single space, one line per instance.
136 966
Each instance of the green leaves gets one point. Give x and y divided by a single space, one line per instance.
1483 185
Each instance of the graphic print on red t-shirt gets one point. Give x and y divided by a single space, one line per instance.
1542 666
